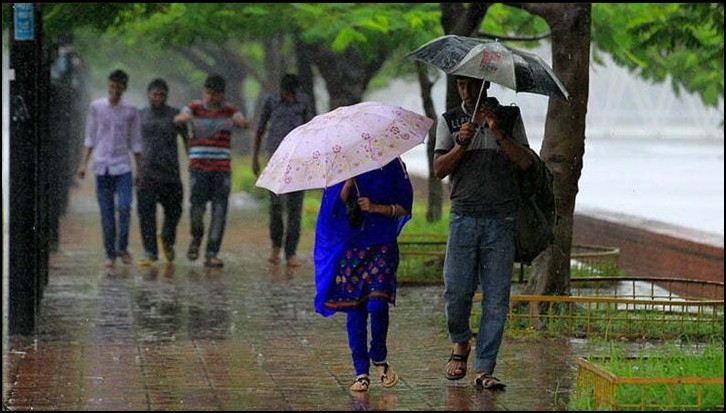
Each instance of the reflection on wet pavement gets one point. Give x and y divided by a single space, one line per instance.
245 337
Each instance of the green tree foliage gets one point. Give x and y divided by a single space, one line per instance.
659 40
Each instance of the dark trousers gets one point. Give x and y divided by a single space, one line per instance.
170 196
291 204
214 187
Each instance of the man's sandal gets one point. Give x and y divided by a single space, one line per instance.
361 384
459 358
388 376
488 382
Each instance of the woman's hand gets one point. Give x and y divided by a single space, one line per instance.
365 204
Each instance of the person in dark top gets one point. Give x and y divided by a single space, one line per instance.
160 180
285 111
481 155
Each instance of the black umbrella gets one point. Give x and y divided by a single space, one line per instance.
489 60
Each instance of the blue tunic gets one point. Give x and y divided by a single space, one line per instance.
333 235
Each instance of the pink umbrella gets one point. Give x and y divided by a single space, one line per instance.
341 144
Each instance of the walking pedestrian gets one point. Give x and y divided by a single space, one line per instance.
356 258
285 111
160 179
210 121
113 129
482 163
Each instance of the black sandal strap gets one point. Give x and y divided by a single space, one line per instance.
364 380
459 357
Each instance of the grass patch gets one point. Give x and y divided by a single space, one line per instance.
674 378
613 320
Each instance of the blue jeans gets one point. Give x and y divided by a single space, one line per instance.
479 251
107 186
358 334
214 187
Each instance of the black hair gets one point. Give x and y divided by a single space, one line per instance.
474 79
158 83
215 82
289 83
119 76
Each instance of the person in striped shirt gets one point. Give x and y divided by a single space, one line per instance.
210 122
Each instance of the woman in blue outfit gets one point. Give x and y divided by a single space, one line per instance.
356 257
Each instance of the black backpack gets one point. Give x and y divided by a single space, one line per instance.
537 215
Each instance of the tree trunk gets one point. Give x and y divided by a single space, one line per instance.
563 146
346 73
305 69
435 193
459 20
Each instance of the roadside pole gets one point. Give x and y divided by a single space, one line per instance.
25 237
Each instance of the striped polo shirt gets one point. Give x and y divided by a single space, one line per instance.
210 133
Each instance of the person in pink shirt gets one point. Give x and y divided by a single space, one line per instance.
113 130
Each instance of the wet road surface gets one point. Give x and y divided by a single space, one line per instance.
183 337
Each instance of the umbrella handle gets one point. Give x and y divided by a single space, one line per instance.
478 100
356 187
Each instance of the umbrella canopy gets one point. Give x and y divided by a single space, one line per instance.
341 144
489 60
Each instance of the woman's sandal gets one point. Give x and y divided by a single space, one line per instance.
460 358
489 382
388 376
361 384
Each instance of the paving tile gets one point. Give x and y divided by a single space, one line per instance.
182 337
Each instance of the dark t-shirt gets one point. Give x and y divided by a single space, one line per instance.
160 156
283 117
484 183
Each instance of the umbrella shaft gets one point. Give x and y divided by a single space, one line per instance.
478 100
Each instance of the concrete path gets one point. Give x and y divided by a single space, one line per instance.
181 337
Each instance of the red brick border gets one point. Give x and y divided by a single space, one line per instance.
654 249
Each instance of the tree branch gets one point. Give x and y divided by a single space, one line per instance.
515 38
194 58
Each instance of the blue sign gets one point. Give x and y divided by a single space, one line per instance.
24 22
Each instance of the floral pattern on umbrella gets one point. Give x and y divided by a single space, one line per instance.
341 144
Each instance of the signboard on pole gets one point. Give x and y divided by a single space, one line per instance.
24 22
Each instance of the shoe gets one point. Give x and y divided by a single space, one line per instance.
125 257
388 376
361 384
214 262
292 261
147 260
459 358
109 263
193 251
169 253
486 381
274 255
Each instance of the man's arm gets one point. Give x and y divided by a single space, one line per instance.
184 116
86 157
513 150
240 121
447 158
137 178
264 118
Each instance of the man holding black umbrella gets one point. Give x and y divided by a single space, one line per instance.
480 147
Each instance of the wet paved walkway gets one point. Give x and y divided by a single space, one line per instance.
182 337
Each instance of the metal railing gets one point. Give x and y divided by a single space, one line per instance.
608 391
